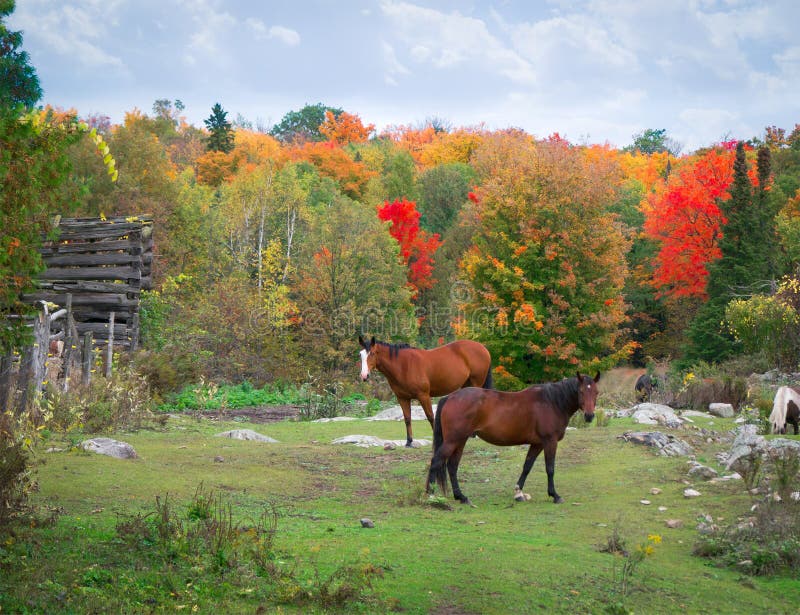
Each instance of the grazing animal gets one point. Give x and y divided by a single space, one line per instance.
644 387
537 416
415 373
785 409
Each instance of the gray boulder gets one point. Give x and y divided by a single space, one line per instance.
245 434
723 411
656 414
109 447
665 444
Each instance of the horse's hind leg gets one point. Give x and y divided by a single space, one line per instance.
533 453
452 468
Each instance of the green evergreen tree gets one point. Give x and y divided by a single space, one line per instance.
220 138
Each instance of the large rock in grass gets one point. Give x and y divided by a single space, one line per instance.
656 414
723 411
666 445
395 413
245 434
109 447
368 441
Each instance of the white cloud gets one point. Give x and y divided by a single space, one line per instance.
448 40
286 35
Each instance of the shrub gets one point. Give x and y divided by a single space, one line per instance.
17 434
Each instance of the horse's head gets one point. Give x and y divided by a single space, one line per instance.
367 353
587 395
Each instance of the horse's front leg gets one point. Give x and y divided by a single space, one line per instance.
550 467
405 405
533 453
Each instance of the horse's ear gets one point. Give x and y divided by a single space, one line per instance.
360 341
597 377
372 342
580 378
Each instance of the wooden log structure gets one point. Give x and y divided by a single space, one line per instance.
104 264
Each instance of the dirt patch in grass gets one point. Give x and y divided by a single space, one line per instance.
256 414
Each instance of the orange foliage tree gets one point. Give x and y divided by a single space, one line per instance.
333 161
346 128
416 246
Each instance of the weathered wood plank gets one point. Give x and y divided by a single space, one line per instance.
84 286
96 273
90 260
87 246
110 299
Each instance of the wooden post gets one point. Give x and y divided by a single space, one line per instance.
110 347
35 361
88 355
70 341
134 328
5 383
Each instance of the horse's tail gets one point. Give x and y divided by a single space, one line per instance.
777 418
438 470
489 382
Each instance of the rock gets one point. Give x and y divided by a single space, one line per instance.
667 445
395 413
691 493
368 441
673 523
389 446
662 509
698 470
655 491
335 419
245 434
645 502
107 446
219 459
656 414
724 411
367 522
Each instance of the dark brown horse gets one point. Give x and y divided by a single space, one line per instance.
537 416
414 373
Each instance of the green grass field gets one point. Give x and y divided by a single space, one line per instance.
499 557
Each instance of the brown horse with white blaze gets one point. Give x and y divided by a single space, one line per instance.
415 373
537 416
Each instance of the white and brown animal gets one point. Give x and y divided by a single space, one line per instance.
785 409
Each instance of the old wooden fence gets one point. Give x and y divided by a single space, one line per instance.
88 299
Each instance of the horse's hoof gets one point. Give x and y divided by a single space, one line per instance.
409 444
522 497
558 500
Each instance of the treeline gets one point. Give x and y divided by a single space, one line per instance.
275 249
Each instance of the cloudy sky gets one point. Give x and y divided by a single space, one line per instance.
594 71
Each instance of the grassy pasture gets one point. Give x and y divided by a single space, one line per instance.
498 557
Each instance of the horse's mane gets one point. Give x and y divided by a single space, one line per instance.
394 349
777 418
563 395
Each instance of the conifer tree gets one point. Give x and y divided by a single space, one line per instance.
220 138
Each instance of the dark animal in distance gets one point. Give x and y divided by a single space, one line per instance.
644 387
537 416
415 373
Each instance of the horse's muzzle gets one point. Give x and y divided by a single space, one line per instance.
364 378
588 417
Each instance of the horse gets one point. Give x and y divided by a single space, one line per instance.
415 373
785 409
537 416
644 387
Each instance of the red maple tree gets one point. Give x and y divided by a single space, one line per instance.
684 216
416 246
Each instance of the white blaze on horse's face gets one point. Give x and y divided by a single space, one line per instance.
364 366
